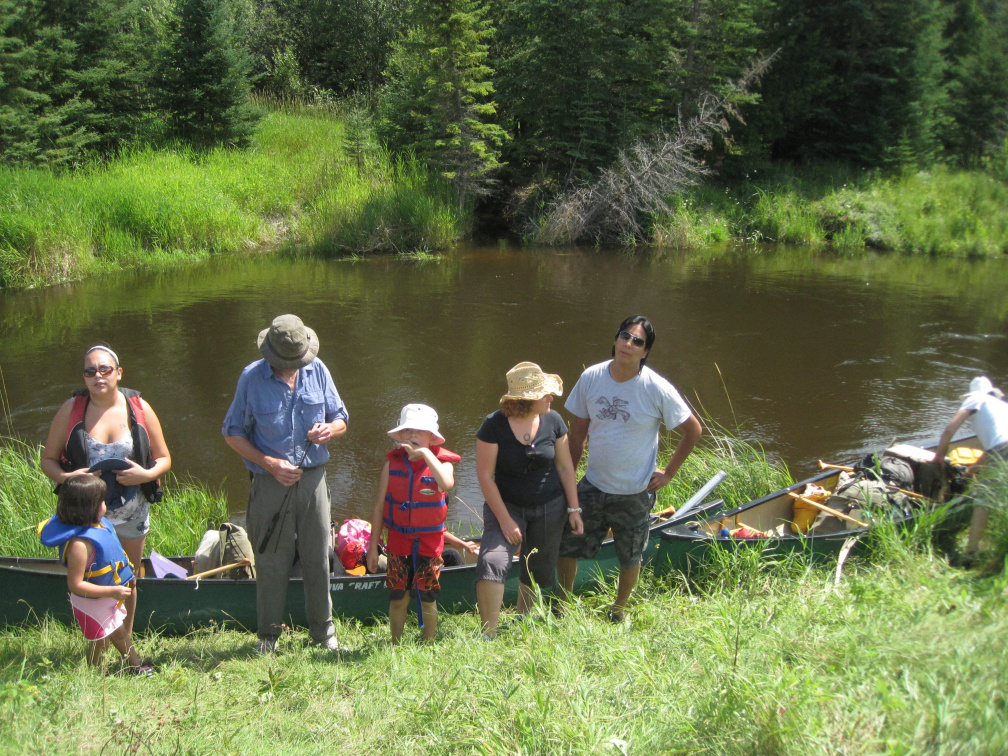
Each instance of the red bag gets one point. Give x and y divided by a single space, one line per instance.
352 543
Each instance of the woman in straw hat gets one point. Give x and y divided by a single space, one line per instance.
524 468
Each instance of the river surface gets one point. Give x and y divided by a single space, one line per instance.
810 355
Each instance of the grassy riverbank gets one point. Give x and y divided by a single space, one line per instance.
299 184
314 183
902 657
938 212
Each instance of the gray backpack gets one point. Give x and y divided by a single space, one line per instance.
226 545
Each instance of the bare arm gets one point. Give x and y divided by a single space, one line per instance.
486 463
285 473
950 430
158 452
377 521
690 429
443 472
78 554
568 479
323 433
454 540
55 441
577 437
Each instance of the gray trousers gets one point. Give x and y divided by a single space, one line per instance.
304 531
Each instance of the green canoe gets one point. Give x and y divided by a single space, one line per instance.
31 588
684 546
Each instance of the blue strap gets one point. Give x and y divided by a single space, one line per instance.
419 602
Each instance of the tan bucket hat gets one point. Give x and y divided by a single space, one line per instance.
288 343
526 380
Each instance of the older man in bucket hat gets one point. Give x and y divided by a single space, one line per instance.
285 412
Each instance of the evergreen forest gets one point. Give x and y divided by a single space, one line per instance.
521 106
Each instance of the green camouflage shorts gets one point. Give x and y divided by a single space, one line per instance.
627 515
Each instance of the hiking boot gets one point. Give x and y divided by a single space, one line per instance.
266 646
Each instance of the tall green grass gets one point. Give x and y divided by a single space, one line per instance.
751 473
938 212
991 491
771 659
26 499
295 185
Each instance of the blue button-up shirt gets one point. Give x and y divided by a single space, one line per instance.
276 418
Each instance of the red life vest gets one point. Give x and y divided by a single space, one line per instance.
415 510
75 456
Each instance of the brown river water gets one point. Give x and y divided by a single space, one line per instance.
809 355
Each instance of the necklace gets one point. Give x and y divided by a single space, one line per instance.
526 438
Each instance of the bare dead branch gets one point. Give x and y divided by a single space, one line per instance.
614 208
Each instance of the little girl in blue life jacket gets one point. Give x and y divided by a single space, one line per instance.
99 575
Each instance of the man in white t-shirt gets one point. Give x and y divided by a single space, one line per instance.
986 406
620 405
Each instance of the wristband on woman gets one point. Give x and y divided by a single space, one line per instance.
572 511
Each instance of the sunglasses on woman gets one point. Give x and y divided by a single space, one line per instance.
102 370
637 341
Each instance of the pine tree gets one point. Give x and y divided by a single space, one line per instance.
440 105
206 77
978 80
43 121
114 40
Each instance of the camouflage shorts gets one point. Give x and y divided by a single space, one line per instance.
402 577
627 515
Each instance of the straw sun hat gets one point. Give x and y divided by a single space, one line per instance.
526 380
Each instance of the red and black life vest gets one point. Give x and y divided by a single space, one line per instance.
415 510
75 455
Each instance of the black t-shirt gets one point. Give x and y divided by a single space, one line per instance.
526 476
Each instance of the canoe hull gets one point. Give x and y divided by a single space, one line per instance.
32 588
683 550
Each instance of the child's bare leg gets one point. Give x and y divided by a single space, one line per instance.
430 619
134 551
96 650
124 645
397 616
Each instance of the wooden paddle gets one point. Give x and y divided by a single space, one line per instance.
828 466
827 510
222 568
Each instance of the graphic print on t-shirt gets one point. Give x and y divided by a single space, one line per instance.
617 409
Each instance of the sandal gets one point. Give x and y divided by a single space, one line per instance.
615 616
145 668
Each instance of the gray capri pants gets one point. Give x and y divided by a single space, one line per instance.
541 527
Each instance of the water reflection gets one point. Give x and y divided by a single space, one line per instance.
811 356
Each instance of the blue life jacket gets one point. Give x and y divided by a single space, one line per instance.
111 565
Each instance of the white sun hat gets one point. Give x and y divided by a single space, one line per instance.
419 417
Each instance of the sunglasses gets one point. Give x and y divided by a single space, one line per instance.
102 370
637 341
